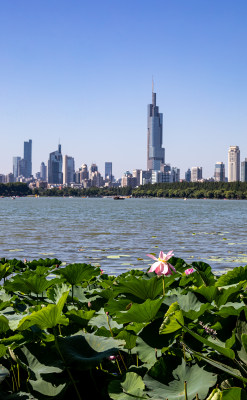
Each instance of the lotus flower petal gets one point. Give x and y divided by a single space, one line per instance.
151 256
160 269
172 267
154 266
168 255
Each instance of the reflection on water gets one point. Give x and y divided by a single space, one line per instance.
118 235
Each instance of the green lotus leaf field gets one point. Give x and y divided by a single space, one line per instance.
73 331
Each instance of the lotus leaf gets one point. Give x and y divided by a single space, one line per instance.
38 284
146 353
46 389
173 319
141 288
2 350
80 317
213 344
227 291
231 309
55 292
205 272
76 273
48 263
47 317
4 324
210 293
84 351
3 373
238 274
102 320
131 388
5 270
234 393
144 312
198 382
223 367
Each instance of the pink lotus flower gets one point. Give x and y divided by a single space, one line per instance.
161 266
189 271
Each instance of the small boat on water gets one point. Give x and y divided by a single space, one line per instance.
118 198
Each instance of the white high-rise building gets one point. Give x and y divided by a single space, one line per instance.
233 164
196 174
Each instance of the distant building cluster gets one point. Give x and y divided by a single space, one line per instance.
60 169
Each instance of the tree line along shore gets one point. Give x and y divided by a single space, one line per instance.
190 190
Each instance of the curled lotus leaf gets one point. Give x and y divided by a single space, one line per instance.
47 317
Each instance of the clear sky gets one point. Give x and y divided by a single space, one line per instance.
81 72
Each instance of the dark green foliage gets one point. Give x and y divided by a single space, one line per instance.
137 335
14 189
193 190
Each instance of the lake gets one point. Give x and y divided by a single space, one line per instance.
117 235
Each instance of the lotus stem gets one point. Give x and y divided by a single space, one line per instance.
183 347
67 369
18 375
107 316
163 281
197 397
14 380
118 366
240 365
185 390
122 360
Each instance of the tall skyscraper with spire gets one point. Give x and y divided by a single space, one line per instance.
155 151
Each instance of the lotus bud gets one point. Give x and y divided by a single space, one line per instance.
215 395
12 354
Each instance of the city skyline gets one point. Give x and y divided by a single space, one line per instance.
83 74
60 169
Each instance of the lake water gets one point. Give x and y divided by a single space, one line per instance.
118 234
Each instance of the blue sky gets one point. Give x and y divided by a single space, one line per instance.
81 72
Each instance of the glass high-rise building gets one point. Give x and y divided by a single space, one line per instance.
15 166
28 158
233 164
108 171
219 172
244 170
43 172
187 175
22 168
155 151
55 166
93 168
